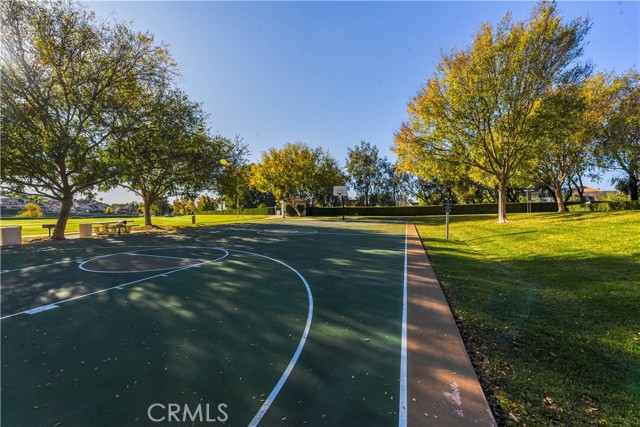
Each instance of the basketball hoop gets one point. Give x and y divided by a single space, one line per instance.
339 190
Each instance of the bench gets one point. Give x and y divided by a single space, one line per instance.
129 227
102 231
49 227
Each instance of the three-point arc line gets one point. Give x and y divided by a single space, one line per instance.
120 286
285 375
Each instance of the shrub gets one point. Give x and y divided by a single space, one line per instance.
626 205
32 211
249 211
486 208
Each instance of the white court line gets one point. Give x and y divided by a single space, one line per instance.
120 286
86 259
134 253
82 267
274 232
285 375
402 411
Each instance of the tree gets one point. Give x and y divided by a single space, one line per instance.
327 174
558 132
363 168
392 186
206 203
254 198
476 109
294 173
618 134
168 150
233 182
32 211
63 77
180 206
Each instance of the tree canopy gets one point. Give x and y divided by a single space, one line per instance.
64 75
295 173
617 126
167 151
476 109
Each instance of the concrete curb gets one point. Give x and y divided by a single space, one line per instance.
443 388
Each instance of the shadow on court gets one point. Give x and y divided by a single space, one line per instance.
167 330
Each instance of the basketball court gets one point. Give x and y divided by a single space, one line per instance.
299 322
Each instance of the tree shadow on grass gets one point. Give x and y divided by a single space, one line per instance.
552 335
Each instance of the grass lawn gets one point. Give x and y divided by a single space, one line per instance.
33 226
549 305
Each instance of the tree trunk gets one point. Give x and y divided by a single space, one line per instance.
557 191
61 224
569 194
502 203
633 186
580 189
147 200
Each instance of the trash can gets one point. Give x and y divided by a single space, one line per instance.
193 219
85 229
11 235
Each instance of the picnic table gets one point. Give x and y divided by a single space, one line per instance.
109 228
102 228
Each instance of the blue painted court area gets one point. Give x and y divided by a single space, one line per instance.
282 323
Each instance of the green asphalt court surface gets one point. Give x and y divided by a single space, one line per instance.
282 323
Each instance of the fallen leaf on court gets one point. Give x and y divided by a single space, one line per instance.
284 418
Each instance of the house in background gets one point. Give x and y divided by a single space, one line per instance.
10 203
89 206
590 194
50 206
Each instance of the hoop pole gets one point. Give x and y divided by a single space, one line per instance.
447 221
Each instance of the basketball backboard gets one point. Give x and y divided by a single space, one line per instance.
340 190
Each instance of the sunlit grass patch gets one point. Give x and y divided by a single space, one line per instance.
549 304
32 227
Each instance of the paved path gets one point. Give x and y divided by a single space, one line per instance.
440 376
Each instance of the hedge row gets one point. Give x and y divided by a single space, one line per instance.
488 208
252 211
626 205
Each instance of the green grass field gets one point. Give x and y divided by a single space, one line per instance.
550 307
33 226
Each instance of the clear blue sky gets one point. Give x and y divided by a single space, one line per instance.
330 74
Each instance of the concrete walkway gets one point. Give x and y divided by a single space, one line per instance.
442 387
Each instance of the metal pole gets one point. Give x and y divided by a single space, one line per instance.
342 197
447 221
